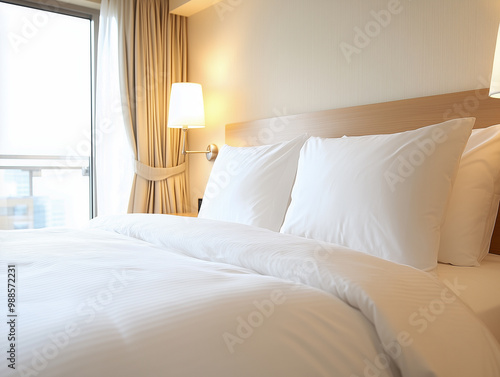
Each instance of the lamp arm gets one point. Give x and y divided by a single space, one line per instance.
211 150
205 151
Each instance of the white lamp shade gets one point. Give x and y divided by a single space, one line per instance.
186 106
495 75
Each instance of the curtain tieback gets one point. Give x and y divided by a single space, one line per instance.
157 174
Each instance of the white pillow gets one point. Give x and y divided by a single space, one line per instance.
252 185
385 195
473 207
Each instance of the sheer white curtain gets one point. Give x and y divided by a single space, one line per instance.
114 152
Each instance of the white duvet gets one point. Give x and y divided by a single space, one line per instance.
156 295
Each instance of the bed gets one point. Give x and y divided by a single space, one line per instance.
479 294
379 277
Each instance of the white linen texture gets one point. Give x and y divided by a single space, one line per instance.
155 295
252 185
385 195
389 296
472 211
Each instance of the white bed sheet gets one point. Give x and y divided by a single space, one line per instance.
98 303
155 295
481 289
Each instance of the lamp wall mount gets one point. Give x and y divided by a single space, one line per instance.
211 151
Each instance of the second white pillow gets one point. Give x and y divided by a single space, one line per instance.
385 195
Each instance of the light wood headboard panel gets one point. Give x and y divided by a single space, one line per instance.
387 117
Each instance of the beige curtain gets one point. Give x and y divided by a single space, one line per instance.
153 55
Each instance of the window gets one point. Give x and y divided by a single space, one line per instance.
46 116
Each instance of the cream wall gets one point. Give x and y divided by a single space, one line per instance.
261 58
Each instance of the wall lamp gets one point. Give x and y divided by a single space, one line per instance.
187 111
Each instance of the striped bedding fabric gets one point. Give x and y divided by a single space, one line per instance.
158 295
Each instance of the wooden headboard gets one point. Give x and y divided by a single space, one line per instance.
380 118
